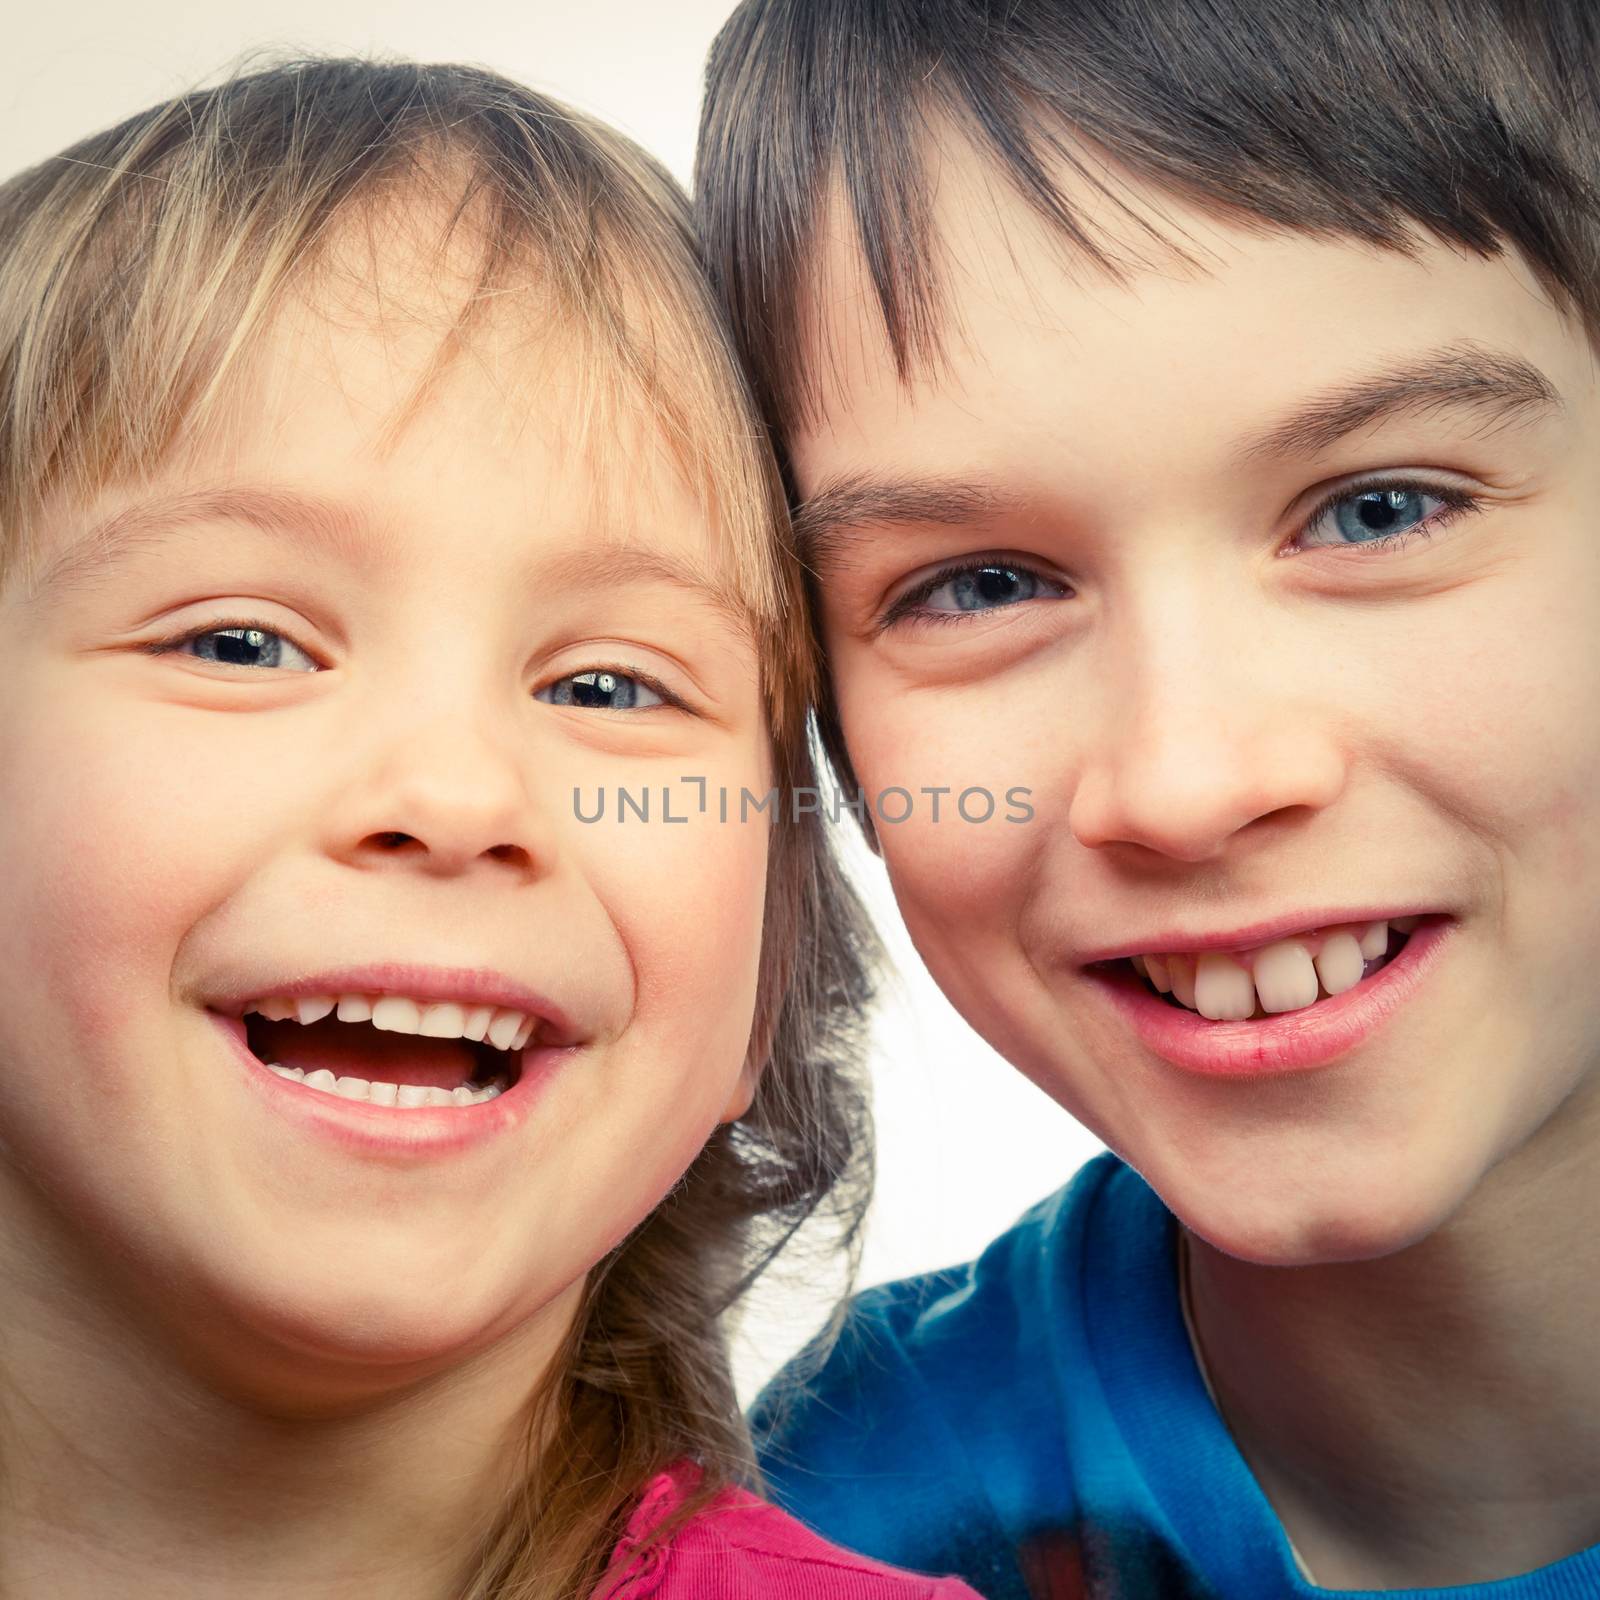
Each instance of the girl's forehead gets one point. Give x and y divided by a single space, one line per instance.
442 455
503 415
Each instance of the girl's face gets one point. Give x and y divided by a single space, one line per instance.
1277 583
316 714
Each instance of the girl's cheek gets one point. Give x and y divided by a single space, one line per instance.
687 898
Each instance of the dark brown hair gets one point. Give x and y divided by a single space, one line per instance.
138 271
1477 120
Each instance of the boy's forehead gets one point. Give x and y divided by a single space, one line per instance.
1206 329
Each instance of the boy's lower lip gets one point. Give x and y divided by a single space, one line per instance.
405 1132
1292 1041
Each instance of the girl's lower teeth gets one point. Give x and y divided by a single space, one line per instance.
389 1094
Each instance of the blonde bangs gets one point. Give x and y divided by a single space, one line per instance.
142 267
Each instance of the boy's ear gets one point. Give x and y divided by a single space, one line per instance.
744 1092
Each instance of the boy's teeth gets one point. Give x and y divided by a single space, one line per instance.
1339 962
355 1008
387 1094
1222 988
313 1008
1287 975
1180 969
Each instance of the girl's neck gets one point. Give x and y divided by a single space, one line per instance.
125 1474
1431 1417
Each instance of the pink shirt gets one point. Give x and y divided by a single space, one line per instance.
740 1548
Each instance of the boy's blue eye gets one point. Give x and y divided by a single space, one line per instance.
983 588
1375 514
1385 516
602 689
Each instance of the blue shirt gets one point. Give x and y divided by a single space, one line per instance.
1035 1422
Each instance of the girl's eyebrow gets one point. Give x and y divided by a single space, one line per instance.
307 521
311 522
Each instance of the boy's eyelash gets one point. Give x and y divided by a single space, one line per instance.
1457 502
906 606
168 645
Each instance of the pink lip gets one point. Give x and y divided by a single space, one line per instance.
1176 941
1292 1041
412 1133
463 985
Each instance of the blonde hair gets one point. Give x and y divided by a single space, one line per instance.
138 270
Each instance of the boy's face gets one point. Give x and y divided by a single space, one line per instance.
1086 557
388 772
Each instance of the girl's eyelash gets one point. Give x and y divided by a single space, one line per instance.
655 685
170 644
1457 502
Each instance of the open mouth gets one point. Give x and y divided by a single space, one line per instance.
389 1050
1293 974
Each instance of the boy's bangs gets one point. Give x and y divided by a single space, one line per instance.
1472 121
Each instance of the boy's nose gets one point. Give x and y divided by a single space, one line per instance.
1197 739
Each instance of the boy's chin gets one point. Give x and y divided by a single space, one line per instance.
1277 1213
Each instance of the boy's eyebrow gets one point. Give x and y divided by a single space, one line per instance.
827 524
1460 376
309 521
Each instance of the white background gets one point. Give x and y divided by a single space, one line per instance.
965 1143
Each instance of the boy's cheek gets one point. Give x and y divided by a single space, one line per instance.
960 790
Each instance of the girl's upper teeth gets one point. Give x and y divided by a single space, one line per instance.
1285 975
497 1025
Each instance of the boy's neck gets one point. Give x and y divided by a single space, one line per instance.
1428 1418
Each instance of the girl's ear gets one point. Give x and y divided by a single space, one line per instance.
870 834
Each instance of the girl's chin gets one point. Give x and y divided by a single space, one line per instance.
346 1327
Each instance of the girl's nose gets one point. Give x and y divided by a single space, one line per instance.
451 796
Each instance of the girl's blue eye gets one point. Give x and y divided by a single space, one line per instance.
1382 514
236 645
601 689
